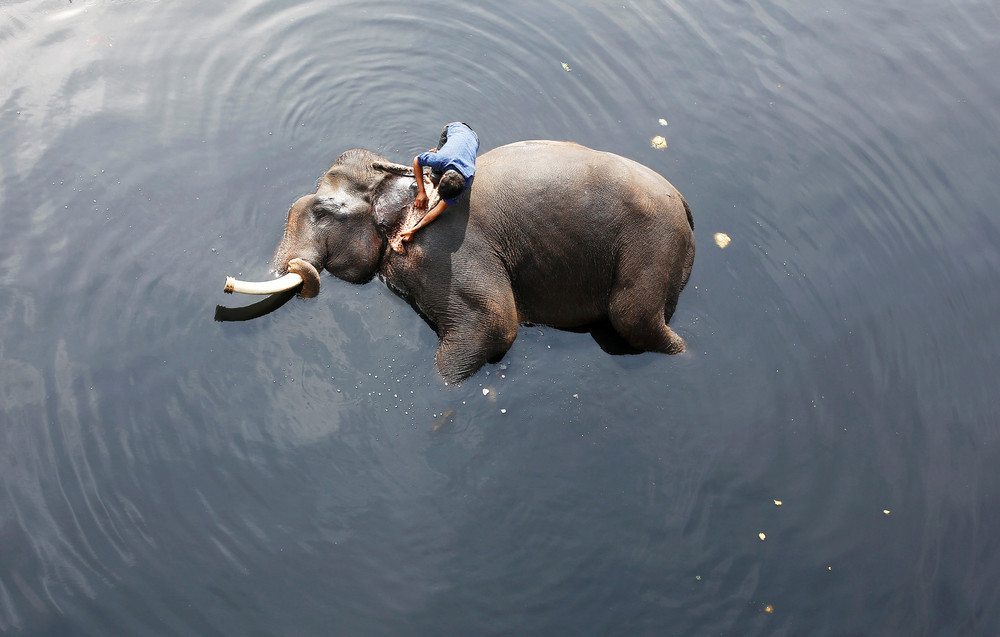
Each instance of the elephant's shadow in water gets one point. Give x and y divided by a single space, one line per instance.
607 338
225 314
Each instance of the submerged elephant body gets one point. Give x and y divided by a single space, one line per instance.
551 233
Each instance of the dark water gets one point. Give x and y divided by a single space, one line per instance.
307 473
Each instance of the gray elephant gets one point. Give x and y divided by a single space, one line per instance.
549 233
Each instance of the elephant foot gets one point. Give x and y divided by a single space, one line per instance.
676 344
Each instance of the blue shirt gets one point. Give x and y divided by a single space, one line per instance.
458 153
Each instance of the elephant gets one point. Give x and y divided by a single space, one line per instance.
549 233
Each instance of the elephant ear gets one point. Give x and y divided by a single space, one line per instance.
393 199
395 169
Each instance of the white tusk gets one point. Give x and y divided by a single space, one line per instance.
287 282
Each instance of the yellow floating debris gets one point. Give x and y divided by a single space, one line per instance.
722 239
761 536
769 609
566 67
445 418
886 511
777 503
658 142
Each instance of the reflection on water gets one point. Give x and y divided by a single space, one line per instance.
254 310
164 471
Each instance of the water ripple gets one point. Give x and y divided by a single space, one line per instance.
315 450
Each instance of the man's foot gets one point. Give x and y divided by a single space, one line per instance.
396 243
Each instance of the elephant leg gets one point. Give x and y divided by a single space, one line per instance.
638 312
479 335
671 304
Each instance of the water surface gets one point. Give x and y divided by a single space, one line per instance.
308 473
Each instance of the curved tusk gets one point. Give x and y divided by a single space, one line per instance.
286 282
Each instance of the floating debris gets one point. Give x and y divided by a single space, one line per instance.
886 511
769 609
777 503
658 142
566 67
762 536
444 419
485 391
698 577
663 122
503 411
722 239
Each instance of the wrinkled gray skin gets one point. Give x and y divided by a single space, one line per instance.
551 233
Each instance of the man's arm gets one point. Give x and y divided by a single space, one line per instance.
420 203
434 213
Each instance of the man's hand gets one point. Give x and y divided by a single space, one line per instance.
420 202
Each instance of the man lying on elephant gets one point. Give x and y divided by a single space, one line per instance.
453 165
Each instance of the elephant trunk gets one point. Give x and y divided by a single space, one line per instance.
300 272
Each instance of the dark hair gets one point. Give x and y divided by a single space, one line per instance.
451 185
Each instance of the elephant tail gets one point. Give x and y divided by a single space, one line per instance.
687 210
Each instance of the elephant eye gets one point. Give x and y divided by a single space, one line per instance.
319 212
326 207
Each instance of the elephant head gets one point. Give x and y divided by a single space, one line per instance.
344 226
